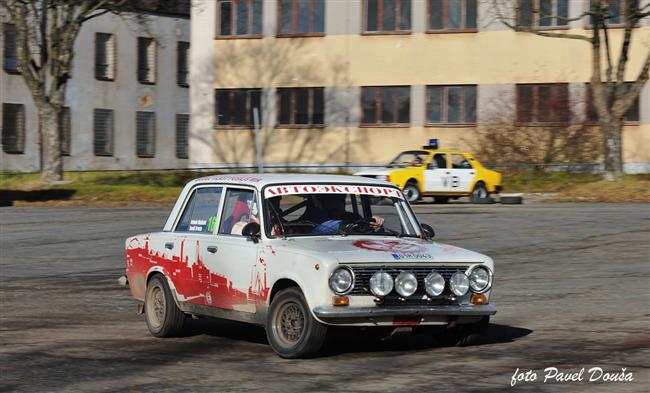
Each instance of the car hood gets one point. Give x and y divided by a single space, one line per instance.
376 172
357 249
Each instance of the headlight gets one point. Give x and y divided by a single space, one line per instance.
381 283
459 283
341 281
406 284
479 279
434 283
382 177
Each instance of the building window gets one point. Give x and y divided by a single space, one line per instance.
145 134
301 17
452 15
65 130
234 107
451 104
146 60
103 132
239 18
543 104
301 106
182 131
104 56
182 63
387 16
386 105
542 13
10 55
616 12
632 115
13 128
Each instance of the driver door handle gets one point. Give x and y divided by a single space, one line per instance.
169 245
212 249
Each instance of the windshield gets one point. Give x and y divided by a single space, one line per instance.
325 210
409 158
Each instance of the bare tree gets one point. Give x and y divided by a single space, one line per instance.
46 31
612 96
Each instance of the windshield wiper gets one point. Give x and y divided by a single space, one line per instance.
393 232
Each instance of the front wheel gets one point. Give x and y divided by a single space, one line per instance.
411 192
291 329
164 319
479 193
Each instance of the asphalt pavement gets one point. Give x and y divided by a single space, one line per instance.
572 289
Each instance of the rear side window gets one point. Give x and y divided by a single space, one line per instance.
200 214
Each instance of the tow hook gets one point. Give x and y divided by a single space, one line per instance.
140 308
452 323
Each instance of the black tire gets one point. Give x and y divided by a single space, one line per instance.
479 193
440 199
291 329
411 192
163 317
464 335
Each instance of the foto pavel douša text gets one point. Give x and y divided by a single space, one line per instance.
553 374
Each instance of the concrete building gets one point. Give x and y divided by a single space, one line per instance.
352 82
127 101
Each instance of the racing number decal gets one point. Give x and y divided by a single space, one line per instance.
450 181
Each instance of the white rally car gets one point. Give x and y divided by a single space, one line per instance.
300 253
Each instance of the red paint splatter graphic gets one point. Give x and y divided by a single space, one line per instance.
389 246
195 283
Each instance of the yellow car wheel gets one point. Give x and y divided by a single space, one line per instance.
411 192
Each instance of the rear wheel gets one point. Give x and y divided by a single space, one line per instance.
411 192
163 317
479 193
291 329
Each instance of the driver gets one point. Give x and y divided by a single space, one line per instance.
328 210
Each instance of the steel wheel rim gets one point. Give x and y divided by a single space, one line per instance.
289 324
156 305
480 192
410 194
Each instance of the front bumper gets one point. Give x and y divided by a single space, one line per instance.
381 315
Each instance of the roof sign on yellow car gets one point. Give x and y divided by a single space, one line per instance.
433 144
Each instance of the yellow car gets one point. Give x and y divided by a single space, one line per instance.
441 174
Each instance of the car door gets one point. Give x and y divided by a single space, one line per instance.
462 173
436 174
234 259
191 242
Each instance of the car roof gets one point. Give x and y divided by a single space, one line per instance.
260 180
436 151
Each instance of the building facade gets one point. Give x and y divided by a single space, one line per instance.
352 82
127 103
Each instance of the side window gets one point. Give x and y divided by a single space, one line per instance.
241 208
439 161
458 161
200 214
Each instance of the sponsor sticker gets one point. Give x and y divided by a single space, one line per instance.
410 257
396 247
293 189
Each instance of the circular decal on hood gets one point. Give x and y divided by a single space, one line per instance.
389 246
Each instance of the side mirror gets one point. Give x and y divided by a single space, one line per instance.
432 165
252 231
427 229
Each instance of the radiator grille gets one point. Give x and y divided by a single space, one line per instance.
362 275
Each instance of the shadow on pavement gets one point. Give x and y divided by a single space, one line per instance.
346 340
7 197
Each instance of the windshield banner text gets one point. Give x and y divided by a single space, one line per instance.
294 189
